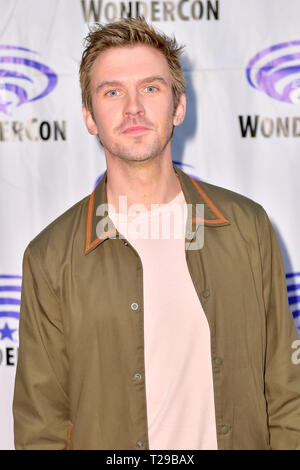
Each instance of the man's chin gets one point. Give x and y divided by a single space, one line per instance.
138 151
136 155
136 158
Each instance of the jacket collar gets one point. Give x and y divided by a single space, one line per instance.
193 193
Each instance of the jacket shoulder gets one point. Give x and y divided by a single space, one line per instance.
227 196
235 206
61 230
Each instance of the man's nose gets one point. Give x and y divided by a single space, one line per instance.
133 105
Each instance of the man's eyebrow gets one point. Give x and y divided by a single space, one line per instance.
153 78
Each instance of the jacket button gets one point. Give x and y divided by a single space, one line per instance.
134 306
206 293
140 444
137 376
218 361
224 429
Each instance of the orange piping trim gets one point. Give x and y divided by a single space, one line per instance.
88 244
102 237
69 437
89 221
211 205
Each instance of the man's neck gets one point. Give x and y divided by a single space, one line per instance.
151 182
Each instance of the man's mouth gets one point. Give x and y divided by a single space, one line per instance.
135 130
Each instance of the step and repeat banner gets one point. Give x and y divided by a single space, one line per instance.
242 128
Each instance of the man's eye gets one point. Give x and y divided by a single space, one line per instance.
112 93
151 88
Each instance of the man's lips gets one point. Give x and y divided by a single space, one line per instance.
135 129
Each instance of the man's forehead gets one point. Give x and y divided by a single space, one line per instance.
134 62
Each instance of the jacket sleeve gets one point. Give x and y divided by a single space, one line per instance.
282 371
40 404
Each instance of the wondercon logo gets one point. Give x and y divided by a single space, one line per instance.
293 289
22 78
276 72
10 300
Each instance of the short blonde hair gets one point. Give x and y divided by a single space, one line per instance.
124 33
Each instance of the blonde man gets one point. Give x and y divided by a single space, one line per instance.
131 339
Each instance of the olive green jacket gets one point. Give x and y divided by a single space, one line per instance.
80 380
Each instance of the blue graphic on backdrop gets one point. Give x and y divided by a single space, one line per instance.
276 71
19 80
293 289
10 300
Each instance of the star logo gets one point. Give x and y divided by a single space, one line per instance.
7 332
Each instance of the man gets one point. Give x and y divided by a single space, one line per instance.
130 339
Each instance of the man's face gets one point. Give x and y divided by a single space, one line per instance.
133 103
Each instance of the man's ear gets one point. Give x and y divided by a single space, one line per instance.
89 121
180 111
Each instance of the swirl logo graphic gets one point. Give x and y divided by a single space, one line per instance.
293 289
276 72
22 79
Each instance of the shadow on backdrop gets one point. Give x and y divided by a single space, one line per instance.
285 254
187 130
292 279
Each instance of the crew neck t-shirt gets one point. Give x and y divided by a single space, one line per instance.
178 366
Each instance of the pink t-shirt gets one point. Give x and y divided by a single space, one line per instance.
179 383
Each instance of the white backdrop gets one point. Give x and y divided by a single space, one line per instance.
242 129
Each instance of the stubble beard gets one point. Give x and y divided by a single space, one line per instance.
137 152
